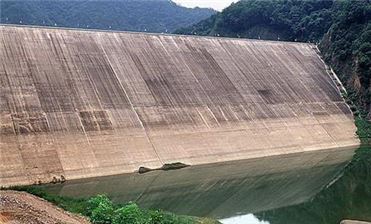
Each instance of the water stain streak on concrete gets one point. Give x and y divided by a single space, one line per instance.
83 104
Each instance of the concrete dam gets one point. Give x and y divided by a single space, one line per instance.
76 103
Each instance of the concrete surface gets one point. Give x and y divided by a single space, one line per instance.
77 104
353 222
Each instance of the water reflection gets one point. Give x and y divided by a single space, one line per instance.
348 198
246 219
223 191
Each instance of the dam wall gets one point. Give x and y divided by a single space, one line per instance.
77 104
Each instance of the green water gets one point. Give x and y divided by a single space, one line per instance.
348 198
311 187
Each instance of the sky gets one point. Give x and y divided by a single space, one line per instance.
215 4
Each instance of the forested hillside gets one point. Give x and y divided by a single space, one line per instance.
342 28
133 15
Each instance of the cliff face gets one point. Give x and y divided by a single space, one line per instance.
342 29
353 69
76 104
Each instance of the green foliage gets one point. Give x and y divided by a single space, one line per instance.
270 19
346 47
158 217
69 204
101 210
152 16
130 213
342 27
363 130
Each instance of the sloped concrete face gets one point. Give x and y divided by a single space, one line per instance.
77 104
353 222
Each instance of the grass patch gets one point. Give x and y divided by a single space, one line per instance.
363 130
67 203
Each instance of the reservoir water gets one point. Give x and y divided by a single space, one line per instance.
307 188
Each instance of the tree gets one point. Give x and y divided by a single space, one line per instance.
100 210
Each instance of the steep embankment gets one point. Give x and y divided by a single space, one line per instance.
142 15
21 207
77 104
342 28
347 47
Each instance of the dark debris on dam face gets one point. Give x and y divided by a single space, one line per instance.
80 104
